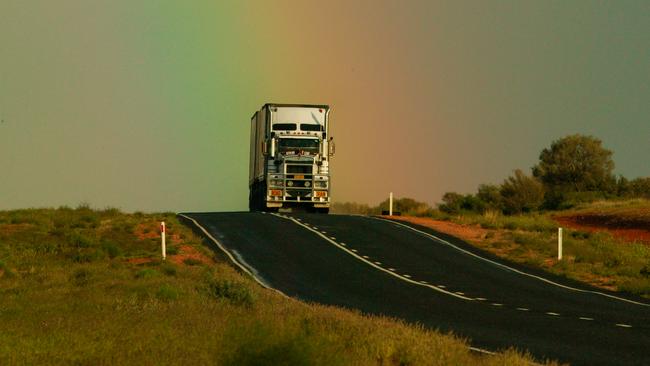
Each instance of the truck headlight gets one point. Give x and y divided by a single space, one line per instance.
307 184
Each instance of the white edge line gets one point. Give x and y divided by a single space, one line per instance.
484 351
510 268
372 264
481 350
232 259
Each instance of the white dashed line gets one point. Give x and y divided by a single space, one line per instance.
523 309
425 282
333 238
365 256
624 325
460 293
497 304
324 232
552 314
442 286
343 244
378 263
409 276
481 299
445 242
353 253
585 318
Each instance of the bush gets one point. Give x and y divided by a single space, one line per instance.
452 202
490 195
192 261
168 269
147 273
235 292
521 193
81 277
111 249
640 187
5 271
167 293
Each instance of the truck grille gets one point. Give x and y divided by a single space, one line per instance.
303 168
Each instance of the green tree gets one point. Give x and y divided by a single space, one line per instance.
521 193
490 194
576 163
640 187
451 202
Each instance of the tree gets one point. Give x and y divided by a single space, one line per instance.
521 193
452 202
640 187
575 163
490 194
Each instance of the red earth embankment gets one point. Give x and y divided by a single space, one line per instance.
631 225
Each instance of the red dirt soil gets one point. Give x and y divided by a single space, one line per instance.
185 252
628 231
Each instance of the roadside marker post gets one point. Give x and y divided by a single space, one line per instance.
390 204
559 243
162 234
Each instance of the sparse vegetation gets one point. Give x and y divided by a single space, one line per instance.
594 257
79 286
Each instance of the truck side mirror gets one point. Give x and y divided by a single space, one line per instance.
264 150
272 152
331 146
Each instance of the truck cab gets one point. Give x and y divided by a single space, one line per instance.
290 156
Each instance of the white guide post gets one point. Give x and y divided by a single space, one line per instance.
390 204
559 243
162 233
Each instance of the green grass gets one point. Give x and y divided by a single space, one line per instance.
596 258
71 294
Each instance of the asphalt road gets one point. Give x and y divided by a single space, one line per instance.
417 274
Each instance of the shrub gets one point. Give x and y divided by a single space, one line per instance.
192 261
452 202
167 292
235 292
76 239
5 271
168 269
521 193
490 195
111 249
81 277
146 273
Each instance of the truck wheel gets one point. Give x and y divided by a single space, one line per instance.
323 210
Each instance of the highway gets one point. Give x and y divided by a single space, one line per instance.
414 273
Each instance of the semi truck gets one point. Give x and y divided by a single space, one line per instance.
290 152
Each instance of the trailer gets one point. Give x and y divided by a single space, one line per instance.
290 152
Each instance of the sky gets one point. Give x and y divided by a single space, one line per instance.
146 105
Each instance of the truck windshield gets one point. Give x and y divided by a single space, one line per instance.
308 145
